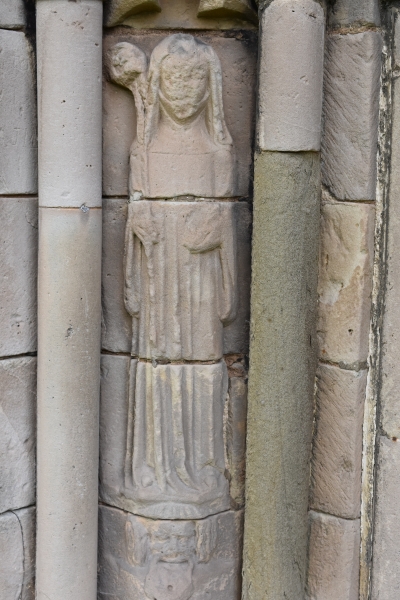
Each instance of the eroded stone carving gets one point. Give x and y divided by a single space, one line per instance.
118 10
175 466
228 8
183 146
169 560
180 278
181 290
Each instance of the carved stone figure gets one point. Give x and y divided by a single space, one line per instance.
145 559
183 146
181 290
180 278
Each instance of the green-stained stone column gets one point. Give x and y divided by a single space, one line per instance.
283 300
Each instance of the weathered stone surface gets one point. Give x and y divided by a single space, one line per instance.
12 14
291 73
345 281
241 9
18 143
17 547
17 432
390 412
117 323
354 13
18 268
334 558
386 550
68 401
238 61
337 447
116 425
180 278
172 560
69 116
351 105
282 373
180 14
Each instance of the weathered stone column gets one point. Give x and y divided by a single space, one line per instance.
69 88
282 354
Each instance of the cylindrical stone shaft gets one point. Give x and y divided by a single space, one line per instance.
69 292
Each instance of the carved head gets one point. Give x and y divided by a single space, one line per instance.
171 541
185 78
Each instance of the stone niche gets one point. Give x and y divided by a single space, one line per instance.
178 134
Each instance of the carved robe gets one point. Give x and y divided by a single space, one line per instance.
180 276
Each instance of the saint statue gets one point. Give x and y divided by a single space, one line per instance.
180 278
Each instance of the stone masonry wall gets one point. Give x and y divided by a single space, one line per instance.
349 157
18 266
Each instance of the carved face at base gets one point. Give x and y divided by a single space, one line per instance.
173 542
184 85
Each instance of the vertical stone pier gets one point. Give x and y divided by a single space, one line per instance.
283 300
69 47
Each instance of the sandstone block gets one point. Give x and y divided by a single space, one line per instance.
386 551
17 432
18 267
17 549
18 140
354 13
334 558
238 60
390 413
291 74
121 449
117 323
351 105
12 14
69 116
172 560
282 373
345 281
337 447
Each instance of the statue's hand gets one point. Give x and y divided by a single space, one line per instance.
126 63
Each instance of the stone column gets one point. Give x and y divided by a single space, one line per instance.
282 351
69 38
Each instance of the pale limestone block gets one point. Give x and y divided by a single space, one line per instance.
351 105
17 432
238 62
282 373
12 14
337 447
182 14
386 550
345 281
117 323
68 401
291 76
17 548
69 115
390 413
116 422
334 558
172 560
18 138
18 268
354 13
